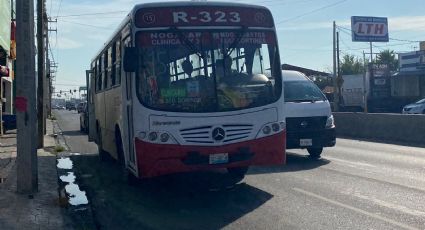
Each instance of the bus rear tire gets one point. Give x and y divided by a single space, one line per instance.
237 173
315 152
102 153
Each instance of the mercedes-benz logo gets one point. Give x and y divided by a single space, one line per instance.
304 124
218 134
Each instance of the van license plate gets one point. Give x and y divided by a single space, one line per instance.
306 142
219 158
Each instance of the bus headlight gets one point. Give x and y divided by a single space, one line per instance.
275 127
164 137
153 136
271 129
267 129
142 135
282 125
330 122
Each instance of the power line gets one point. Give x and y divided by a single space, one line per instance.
59 8
311 12
91 14
83 24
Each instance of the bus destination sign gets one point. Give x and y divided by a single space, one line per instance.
196 38
197 16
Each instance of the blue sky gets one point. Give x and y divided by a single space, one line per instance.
304 30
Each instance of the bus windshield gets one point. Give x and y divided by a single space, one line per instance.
207 71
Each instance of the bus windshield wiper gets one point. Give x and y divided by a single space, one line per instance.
236 42
187 43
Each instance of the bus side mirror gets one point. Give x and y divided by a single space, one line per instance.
130 59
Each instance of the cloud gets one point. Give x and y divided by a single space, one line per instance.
66 43
412 23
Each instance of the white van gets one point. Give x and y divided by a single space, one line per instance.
309 121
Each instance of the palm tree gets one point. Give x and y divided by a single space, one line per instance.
388 57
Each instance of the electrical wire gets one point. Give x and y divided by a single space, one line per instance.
311 12
91 14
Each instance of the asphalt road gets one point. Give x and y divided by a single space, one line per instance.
356 185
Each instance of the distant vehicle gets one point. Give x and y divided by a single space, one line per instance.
81 106
70 106
352 92
84 119
415 108
309 121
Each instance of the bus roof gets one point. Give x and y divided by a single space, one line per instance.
194 3
130 15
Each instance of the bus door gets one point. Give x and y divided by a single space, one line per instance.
128 130
90 105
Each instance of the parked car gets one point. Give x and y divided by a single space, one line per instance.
84 119
415 108
70 106
80 107
309 121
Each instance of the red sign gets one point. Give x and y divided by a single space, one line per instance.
21 104
203 16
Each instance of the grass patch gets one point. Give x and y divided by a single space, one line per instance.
59 148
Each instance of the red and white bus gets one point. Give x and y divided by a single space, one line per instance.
186 86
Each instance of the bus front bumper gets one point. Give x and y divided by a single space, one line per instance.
160 159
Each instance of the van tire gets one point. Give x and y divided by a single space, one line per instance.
315 152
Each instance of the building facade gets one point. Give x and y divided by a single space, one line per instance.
7 56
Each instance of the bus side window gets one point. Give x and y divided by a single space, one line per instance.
98 74
113 63
110 82
118 62
105 70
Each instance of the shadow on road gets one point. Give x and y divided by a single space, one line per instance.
294 162
183 201
73 133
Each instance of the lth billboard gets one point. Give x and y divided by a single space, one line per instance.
369 29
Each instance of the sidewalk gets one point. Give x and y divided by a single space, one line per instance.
40 211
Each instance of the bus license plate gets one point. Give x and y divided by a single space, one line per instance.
306 142
219 158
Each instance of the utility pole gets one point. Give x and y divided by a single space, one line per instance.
365 89
40 73
338 71
25 102
49 63
335 83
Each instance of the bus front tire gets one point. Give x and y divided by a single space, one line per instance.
315 152
126 176
238 172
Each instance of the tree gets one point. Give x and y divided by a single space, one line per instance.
388 57
351 65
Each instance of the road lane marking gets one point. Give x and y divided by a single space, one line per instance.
355 209
397 207
374 179
351 162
